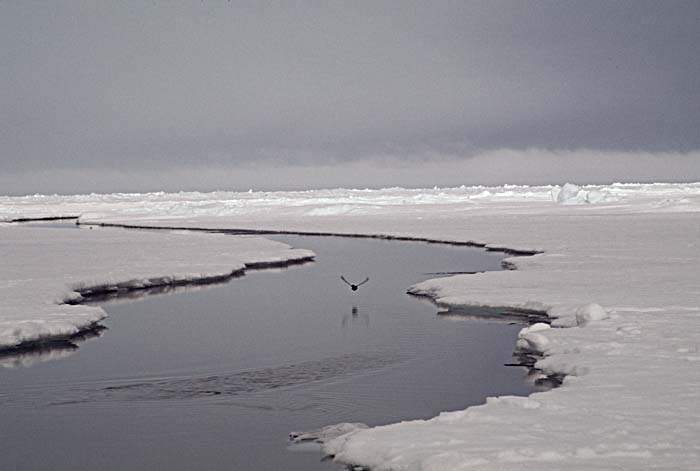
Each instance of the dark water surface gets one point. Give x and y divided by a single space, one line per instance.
214 378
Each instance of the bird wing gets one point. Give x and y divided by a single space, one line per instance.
346 281
365 281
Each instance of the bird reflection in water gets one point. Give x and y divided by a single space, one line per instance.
354 317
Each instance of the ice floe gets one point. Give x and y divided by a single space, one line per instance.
45 270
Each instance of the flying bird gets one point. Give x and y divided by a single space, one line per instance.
352 286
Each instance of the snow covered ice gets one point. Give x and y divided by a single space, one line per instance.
618 271
43 268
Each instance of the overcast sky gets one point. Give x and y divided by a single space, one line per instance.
151 95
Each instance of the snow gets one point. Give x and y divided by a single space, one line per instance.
618 275
588 313
45 267
532 339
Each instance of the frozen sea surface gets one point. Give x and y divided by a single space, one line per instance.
619 269
216 378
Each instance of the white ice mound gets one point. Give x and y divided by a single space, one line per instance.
590 312
567 194
596 196
530 339
327 433
574 194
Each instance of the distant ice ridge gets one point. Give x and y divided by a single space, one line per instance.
618 277
182 206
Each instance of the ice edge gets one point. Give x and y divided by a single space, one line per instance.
469 243
79 294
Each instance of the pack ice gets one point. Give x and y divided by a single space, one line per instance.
618 274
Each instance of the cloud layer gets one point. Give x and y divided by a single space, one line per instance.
152 88
495 167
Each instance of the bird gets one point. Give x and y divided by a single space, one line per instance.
352 286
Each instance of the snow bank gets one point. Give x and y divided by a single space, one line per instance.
532 339
45 267
621 275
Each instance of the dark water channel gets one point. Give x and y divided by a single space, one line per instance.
214 378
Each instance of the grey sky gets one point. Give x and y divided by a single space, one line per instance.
169 92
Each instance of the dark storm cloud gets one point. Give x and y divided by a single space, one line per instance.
152 86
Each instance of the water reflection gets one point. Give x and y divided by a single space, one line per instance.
29 358
121 297
495 314
34 354
355 316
